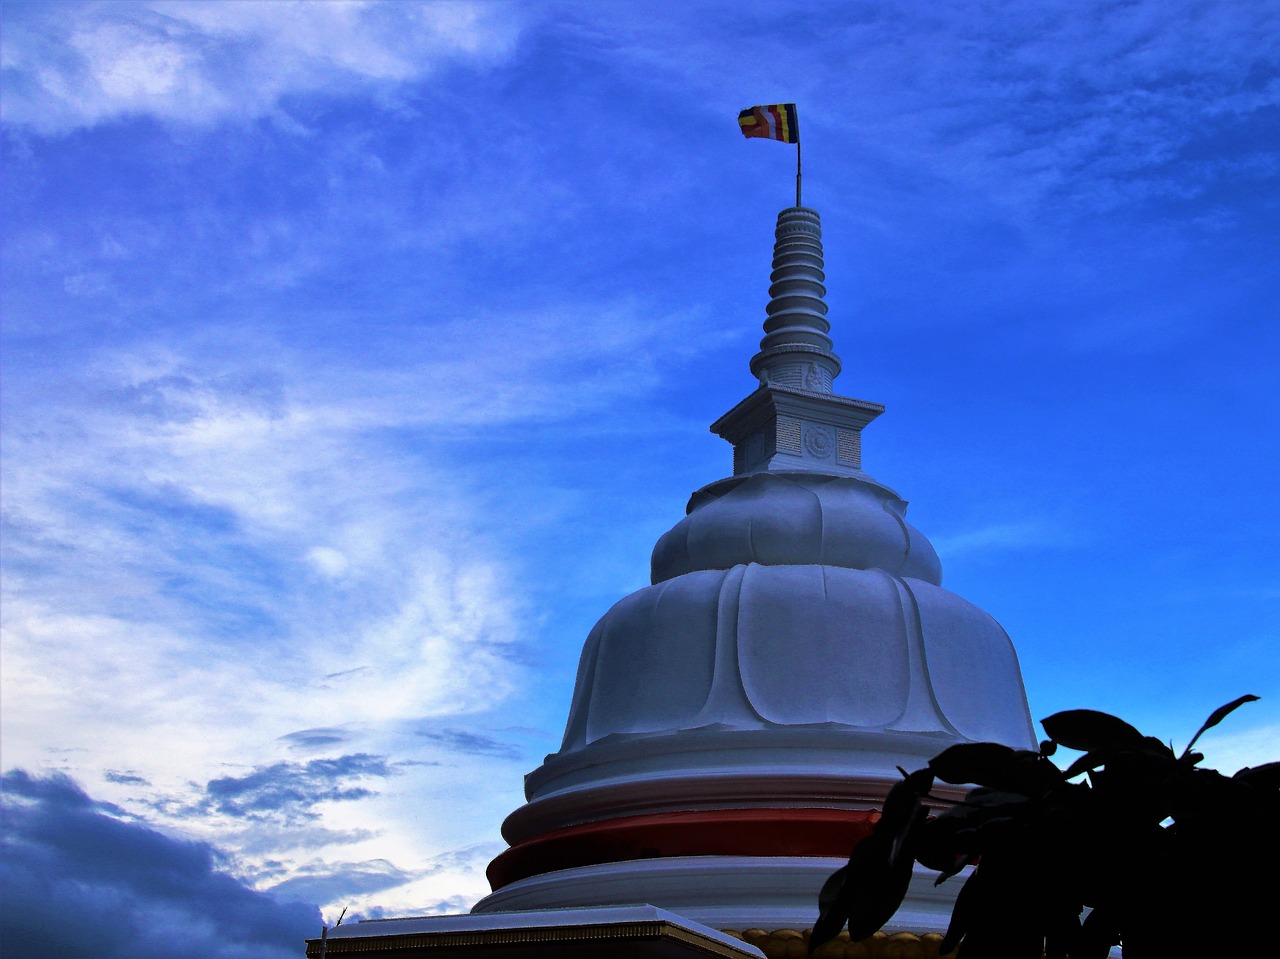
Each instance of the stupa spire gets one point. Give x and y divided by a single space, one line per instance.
795 420
796 350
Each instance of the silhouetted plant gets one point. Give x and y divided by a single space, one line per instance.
1155 852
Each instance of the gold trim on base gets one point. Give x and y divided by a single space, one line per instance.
794 944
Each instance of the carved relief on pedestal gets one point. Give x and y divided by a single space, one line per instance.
819 441
813 379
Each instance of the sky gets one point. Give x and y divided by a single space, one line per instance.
356 354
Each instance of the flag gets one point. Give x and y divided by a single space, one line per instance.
774 122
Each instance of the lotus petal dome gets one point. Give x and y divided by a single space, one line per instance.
779 519
755 647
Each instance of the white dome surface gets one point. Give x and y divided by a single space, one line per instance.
820 657
796 518
756 646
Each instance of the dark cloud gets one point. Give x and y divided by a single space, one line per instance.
262 838
124 778
286 791
315 738
467 859
78 882
454 905
345 673
475 744
330 882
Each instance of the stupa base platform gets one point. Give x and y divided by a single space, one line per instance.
609 932
722 892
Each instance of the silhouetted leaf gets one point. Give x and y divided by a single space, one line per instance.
903 813
1089 761
957 866
832 889
955 835
833 910
1155 747
997 767
1044 845
1222 712
968 903
971 762
1088 729
936 843
993 830
904 798
869 889
984 797
825 929
1218 715
873 889
1265 777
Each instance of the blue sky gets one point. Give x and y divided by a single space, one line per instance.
355 355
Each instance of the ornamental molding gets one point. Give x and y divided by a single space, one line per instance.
782 943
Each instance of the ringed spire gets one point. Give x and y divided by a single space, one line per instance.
796 350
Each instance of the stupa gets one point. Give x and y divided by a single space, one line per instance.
735 725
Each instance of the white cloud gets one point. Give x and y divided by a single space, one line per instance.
1015 107
218 543
72 65
129 527
199 562
328 561
1003 536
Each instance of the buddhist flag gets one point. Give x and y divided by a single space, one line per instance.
774 122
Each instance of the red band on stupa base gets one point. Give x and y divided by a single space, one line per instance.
829 833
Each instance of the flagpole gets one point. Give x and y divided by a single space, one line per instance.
797 171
